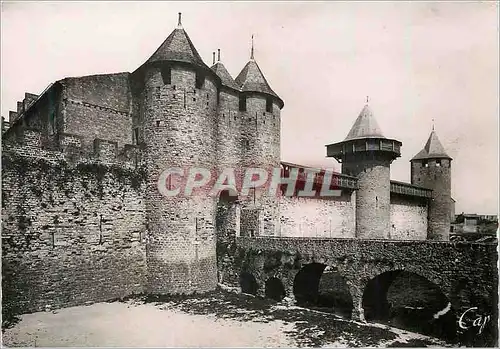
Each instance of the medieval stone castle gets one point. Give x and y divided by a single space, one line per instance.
80 165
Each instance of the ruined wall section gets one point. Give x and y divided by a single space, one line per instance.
333 217
408 217
73 227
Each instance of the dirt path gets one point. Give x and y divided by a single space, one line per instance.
221 319
122 324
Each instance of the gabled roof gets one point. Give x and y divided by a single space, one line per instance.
177 47
433 149
223 74
365 126
251 79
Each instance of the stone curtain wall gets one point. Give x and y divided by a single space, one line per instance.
72 233
98 106
313 217
408 218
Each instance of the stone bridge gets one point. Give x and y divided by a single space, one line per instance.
465 274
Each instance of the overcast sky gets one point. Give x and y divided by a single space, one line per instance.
416 61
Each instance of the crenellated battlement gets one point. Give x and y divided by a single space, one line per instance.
71 148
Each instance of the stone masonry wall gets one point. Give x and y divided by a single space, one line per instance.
408 218
179 131
466 273
98 106
72 233
439 179
314 217
372 197
260 142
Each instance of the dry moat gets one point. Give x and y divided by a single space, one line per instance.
221 318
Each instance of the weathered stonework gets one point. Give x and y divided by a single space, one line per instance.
309 217
69 226
466 273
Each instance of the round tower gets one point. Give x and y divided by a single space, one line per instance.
431 168
179 119
367 154
228 120
259 110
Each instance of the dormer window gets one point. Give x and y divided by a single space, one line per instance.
243 103
269 105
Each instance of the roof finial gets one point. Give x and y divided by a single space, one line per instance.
218 55
251 53
213 57
179 23
432 124
367 99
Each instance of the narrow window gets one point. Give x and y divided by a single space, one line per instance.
425 163
438 162
243 103
157 123
52 240
269 105
52 123
166 75
136 136
200 80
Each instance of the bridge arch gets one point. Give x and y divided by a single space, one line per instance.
248 283
275 289
320 286
411 301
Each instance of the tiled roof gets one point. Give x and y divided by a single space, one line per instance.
223 74
433 149
365 126
251 79
177 47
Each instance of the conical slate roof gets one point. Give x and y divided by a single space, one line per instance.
223 74
365 126
433 149
251 79
177 47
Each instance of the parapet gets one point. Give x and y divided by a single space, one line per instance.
410 189
71 148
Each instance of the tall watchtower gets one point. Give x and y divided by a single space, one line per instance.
259 111
178 122
431 168
367 154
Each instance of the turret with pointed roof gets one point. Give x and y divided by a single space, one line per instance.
251 79
431 168
433 149
367 154
226 78
180 97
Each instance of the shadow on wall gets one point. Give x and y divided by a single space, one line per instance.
319 287
248 283
409 301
